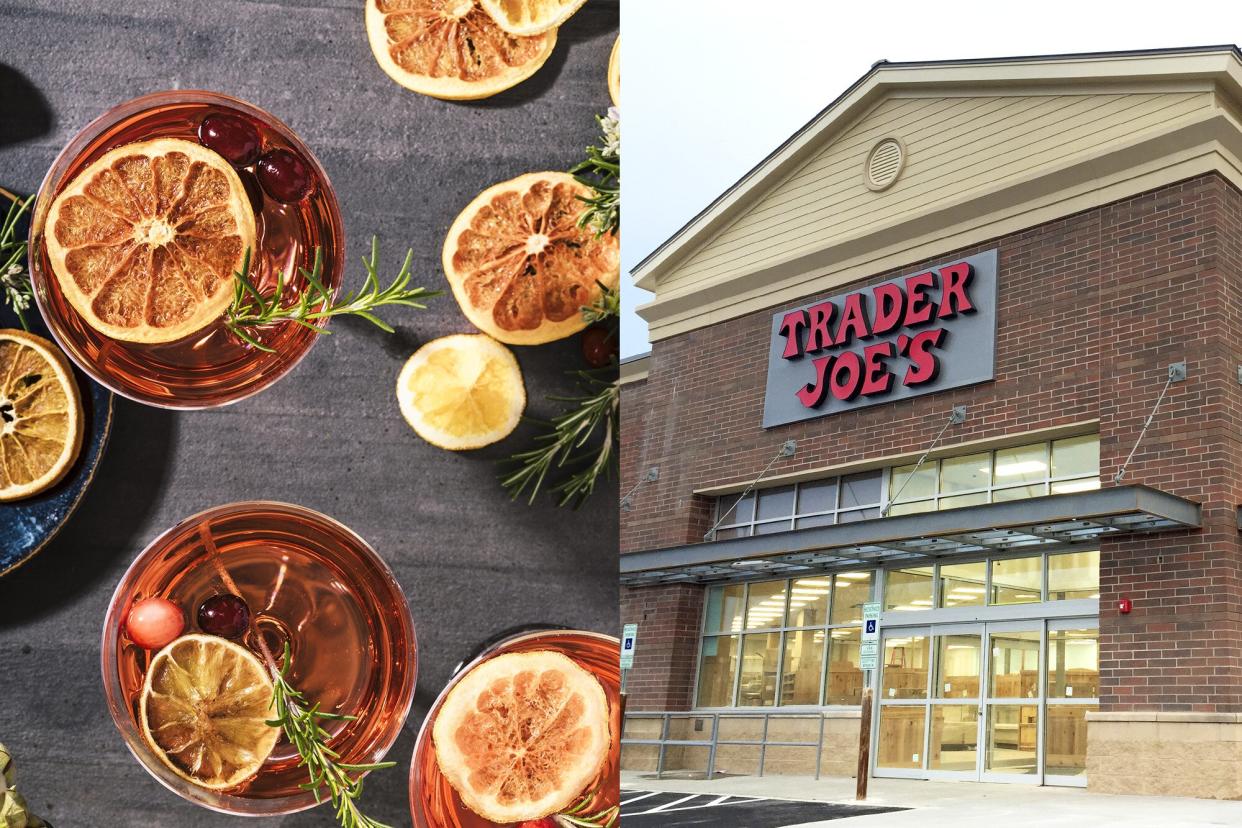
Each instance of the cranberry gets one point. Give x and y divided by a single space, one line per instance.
154 623
224 615
233 137
599 346
546 822
285 176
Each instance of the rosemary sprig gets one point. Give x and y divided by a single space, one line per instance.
251 309
598 409
607 306
581 816
565 445
14 280
300 722
601 171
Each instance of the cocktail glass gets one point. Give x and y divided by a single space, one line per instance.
433 801
310 582
212 366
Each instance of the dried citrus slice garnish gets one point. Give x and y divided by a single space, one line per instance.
204 710
530 17
144 241
523 735
462 392
451 48
519 264
614 73
41 418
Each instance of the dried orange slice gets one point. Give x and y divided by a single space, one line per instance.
519 264
614 73
530 17
462 392
451 49
145 240
522 736
41 418
204 710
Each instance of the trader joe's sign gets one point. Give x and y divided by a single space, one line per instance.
929 331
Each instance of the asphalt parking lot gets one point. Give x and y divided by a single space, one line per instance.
666 809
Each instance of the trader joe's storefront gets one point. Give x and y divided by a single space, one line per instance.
997 393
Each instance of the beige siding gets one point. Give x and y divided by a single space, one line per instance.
955 146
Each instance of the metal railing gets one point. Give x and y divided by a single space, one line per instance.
763 743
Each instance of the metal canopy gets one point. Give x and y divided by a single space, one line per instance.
1052 522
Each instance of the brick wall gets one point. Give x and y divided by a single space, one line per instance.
668 619
1091 310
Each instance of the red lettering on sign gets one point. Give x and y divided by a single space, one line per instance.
924 365
821 317
812 394
846 377
955 279
919 308
853 319
791 329
890 307
876 376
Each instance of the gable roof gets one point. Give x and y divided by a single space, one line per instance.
1201 91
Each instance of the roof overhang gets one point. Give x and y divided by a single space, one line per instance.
1052 523
1179 151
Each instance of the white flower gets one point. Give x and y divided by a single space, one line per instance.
610 124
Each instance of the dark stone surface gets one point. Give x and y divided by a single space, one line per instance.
403 166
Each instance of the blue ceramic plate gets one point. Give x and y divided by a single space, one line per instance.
26 526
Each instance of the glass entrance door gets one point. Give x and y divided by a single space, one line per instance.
971 701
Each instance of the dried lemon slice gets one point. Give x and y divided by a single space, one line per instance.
41 419
530 17
204 710
519 264
614 73
451 49
145 240
523 735
462 392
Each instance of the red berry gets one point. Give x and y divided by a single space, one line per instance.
546 822
232 136
599 346
285 176
154 623
224 615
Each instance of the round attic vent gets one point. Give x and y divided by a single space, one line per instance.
884 164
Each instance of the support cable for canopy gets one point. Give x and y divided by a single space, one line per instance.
787 450
957 415
1177 373
627 502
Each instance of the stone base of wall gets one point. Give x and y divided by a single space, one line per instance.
838 757
1170 754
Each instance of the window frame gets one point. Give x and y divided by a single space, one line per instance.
749 528
988 561
827 627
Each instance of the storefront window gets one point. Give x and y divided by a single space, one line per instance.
1074 664
724 609
965 474
962 585
1074 575
765 605
803 666
801 506
850 591
1017 580
1014 658
1070 575
904 674
808 601
799 643
1065 739
845 678
717 669
908 590
957 667
760 654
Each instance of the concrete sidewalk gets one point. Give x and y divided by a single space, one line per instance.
965 804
